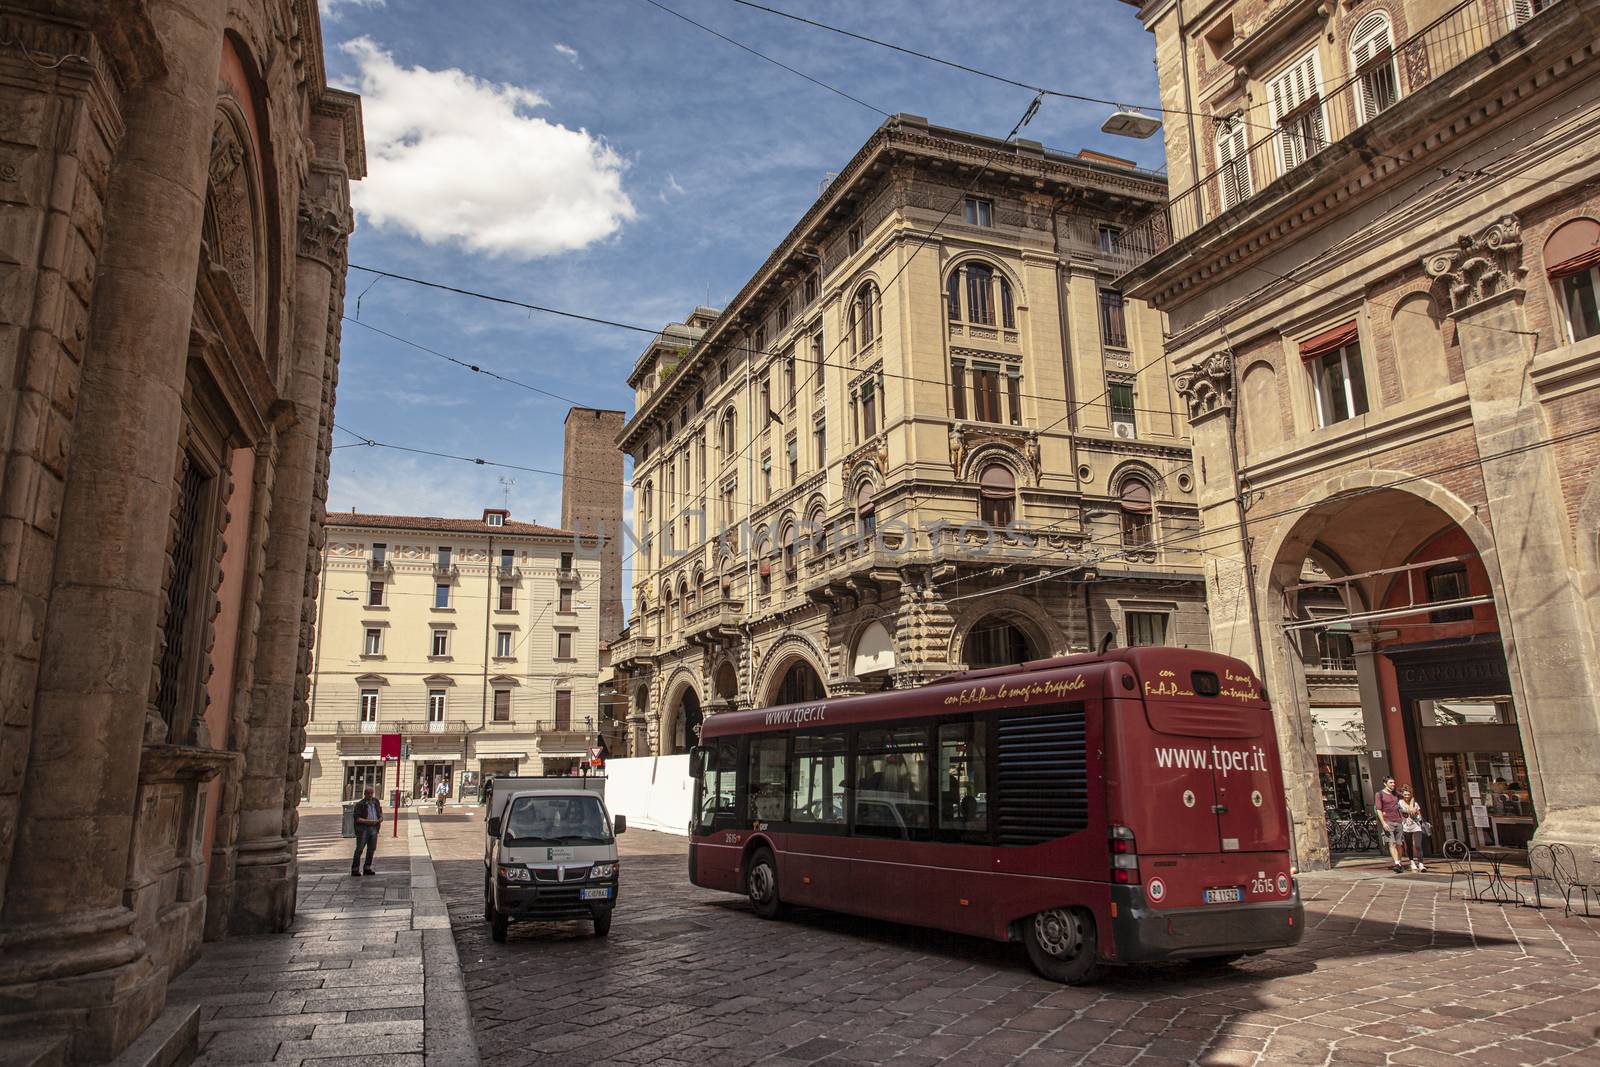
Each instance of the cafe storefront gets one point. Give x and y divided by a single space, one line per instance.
1464 742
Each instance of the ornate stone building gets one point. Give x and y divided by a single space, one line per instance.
937 435
474 639
1379 265
173 213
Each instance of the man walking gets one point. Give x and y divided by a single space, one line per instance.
369 817
1389 814
442 792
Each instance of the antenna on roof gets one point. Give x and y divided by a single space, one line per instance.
505 491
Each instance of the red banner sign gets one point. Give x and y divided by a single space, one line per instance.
389 746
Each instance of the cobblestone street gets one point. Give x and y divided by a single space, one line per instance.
1390 972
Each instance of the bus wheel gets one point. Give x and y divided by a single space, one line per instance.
761 882
1062 946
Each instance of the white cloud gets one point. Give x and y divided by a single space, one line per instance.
673 189
333 9
567 50
456 159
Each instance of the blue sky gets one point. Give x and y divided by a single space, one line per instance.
605 157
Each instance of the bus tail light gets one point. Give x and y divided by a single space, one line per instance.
1124 856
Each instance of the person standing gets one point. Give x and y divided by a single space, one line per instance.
441 792
369 817
1387 807
1413 827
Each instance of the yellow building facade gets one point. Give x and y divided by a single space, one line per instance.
474 639
928 433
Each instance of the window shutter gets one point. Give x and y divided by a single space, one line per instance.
1233 160
1288 92
1521 11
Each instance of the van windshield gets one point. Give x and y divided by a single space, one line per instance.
552 820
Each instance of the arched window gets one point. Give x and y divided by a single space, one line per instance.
666 610
865 317
976 293
997 495
1372 60
641 617
1136 512
866 516
1572 262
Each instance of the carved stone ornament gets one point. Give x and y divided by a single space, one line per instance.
324 230
1208 385
1481 265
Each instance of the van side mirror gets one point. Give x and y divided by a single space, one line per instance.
493 829
619 824
697 762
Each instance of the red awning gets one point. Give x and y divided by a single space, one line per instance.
1328 341
1135 496
1572 249
996 481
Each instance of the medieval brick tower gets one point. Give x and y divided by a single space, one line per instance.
591 500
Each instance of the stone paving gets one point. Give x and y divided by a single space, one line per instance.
1392 971
367 974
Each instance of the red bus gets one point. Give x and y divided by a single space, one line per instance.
1103 809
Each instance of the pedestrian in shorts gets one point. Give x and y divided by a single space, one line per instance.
1392 817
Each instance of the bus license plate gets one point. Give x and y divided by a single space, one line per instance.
605 894
1231 895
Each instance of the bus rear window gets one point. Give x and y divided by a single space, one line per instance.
1206 683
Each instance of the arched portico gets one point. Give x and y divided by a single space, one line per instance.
682 714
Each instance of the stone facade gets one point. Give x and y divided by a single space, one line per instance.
591 501
173 210
909 486
1383 317
481 626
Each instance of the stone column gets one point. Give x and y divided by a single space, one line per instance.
1372 711
264 860
1544 624
67 956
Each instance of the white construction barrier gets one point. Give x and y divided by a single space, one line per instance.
653 792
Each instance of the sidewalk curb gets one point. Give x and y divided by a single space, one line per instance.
447 1031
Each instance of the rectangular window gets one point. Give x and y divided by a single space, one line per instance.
566 563
958 390
441 596
1113 319
1136 529
1295 100
1014 396
997 512
563 645
436 705
566 599
441 642
502 643
443 560
1579 297
494 518
1119 398
563 709
986 393
508 559
766 476
380 552
817 361
506 594
979 212
1147 628
1335 650
817 780
502 705
1108 238
1448 582
980 294
789 382
374 594
374 642
855 238
1339 384
783 314
963 780
1233 160
369 705
768 789
869 411
820 438
892 786
811 289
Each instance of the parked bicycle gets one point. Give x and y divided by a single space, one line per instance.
1352 832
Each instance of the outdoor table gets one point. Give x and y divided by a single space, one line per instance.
1499 889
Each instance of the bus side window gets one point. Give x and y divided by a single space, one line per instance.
817 780
719 786
892 783
768 778
963 778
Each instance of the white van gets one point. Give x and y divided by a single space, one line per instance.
550 854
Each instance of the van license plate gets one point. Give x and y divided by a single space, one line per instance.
1231 895
605 894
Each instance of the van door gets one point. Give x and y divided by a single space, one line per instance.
1250 809
1170 795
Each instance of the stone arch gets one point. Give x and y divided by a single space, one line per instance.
994 263
1043 635
682 712
786 651
725 679
871 640
242 209
997 452
1136 468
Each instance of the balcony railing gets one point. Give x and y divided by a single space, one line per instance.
720 618
1465 30
407 727
446 572
631 649
380 566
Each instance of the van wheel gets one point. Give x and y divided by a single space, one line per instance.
602 923
498 924
488 897
1062 946
761 883
1216 963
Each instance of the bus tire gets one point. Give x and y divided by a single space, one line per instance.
1062 945
761 884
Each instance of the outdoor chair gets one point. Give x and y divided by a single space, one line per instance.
1541 868
1566 879
1459 856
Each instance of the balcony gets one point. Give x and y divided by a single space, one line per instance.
508 572
716 622
630 652
380 568
566 574
445 572
408 728
1275 167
